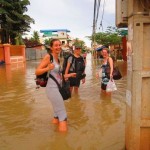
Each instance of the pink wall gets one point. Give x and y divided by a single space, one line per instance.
2 56
7 50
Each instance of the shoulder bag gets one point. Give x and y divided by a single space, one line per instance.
64 89
116 72
41 80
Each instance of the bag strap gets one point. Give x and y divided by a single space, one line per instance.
51 60
51 57
109 63
52 77
72 61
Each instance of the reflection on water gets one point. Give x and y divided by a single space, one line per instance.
95 120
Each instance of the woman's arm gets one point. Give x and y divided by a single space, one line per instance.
67 68
111 67
44 66
69 75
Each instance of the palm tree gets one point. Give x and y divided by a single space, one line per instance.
36 36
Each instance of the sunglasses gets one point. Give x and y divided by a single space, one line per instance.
77 48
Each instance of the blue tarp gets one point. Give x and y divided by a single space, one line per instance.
55 30
100 48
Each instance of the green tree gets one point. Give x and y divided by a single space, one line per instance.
47 41
13 20
109 37
80 43
19 40
36 36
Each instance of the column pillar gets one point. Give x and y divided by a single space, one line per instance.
23 52
7 53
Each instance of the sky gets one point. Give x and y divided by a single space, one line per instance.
74 15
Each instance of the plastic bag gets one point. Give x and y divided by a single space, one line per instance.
111 86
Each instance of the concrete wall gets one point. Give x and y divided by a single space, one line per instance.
33 54
8 52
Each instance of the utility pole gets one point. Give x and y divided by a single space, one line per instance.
138 76
137 124
94 29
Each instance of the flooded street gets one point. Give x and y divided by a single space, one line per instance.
95 121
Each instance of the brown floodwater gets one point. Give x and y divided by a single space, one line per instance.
96 121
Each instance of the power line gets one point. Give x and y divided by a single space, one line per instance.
101 22
94 17
96 14
97 4
98 7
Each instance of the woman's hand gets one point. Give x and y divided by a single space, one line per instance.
111 76
83 80
50 67
70 75
97 76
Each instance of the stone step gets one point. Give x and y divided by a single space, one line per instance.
16 59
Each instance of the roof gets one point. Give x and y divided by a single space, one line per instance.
54 30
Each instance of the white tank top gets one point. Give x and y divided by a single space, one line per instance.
55 73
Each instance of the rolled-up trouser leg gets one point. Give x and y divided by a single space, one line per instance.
57 102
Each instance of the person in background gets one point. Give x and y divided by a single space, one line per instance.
76 63
54 96
106 63
84 55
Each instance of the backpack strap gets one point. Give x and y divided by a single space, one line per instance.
52 77
51 57
51 60
73 59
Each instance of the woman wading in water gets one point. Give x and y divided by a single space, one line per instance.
53 94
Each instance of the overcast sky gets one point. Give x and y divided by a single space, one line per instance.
74 15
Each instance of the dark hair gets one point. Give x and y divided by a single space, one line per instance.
48 49
52 42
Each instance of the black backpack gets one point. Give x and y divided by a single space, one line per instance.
41 80
79 65
65 61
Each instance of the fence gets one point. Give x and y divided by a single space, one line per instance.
33 54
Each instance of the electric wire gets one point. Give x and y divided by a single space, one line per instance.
98 7
101 22
94 16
